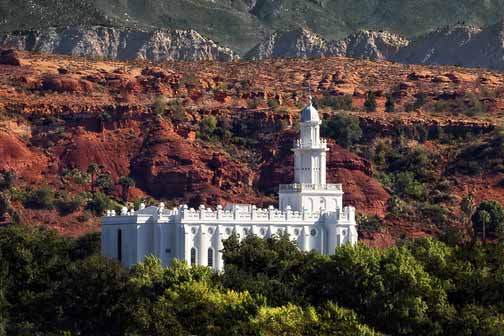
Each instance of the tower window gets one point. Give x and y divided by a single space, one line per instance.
119 245
193 256
210 257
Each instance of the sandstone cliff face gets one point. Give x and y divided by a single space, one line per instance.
299 43
302 43
377 46
461 45
116 43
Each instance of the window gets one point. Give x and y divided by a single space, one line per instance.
119 245
313 233
193 256
210 257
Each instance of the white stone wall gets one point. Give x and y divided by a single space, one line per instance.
173 234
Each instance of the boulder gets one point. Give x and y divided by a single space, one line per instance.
9 57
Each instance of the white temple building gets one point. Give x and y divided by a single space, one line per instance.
310 211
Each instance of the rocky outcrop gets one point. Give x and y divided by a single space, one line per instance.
302 43
462 45
9 57
467 46
117 43
299 43
376 46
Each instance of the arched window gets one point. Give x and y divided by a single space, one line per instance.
193 256
210 257
119 245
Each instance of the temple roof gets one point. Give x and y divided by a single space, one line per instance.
309 113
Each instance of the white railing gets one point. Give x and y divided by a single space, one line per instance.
296 187
256 215
309 144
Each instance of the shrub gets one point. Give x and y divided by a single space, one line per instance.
98 204
105 183
273 104
370 224
336 102
159 105
42 198
343 128
406 185
370 103
207 127
390 104
67 205
4 206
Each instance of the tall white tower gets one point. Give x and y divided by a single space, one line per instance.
310 191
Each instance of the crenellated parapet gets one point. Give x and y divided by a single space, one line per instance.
184 214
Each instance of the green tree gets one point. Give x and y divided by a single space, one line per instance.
159 105
42 198
289 320
390 104
126 183
370 103
467 207
488 220
343 128
90 296
4 206
7 179
93 169
99 203
207 127
105 183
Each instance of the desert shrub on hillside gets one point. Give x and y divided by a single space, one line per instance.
98 203
343 128
370 103
68 204
41 198
336 102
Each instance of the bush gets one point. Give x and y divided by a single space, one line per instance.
67 205
343 128
159 105
336 102
207 127
370 103
98 204
405 184
370 224
390 104
42 198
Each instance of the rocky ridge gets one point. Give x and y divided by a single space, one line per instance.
302 43
462 45
468 46
117 43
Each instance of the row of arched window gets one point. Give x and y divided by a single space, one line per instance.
194 257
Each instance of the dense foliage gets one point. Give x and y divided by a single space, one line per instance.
51 285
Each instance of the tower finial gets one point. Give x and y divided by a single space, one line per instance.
310 98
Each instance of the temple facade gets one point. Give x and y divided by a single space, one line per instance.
310 211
